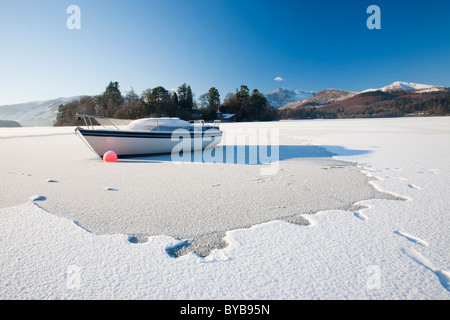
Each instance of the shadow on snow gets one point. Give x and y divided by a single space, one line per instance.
250 155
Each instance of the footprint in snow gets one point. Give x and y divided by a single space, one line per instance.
37 198
434 171
412 186
442 275
259 180
412 238
360 216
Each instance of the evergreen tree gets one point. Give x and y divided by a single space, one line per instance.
210 104
156 100
112 87
258 105
111 100
185 97
243 93
189 99
159 94
175 99
213 99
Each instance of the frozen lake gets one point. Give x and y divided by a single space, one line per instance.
358 204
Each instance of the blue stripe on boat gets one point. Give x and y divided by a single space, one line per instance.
138 134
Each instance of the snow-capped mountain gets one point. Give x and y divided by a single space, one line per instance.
34 113
324 97
330 96
282 96
401 85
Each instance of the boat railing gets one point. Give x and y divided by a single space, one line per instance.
102 121
216 123
201 121
93 121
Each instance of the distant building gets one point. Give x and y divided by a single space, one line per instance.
196 114
226 117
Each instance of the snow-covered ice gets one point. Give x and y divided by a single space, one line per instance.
393 245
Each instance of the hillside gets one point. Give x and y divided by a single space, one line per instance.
324 97
282 96
34 113
9 124
379 104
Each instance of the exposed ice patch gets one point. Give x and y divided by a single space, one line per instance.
137 238
201 245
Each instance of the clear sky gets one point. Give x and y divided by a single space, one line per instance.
311 45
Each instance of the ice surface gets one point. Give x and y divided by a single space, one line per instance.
194 201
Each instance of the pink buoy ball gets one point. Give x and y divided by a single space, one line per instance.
110 156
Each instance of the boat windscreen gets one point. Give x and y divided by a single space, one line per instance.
157 124
108 122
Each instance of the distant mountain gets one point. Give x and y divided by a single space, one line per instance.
9 124
408 86
282 96
324 97
330 96
34 113
392 103
395 100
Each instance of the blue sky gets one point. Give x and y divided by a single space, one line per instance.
312 45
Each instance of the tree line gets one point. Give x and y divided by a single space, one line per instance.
246 105
249 107
160 102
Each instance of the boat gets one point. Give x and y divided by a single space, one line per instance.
141 137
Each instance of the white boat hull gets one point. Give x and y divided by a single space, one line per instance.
136 143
